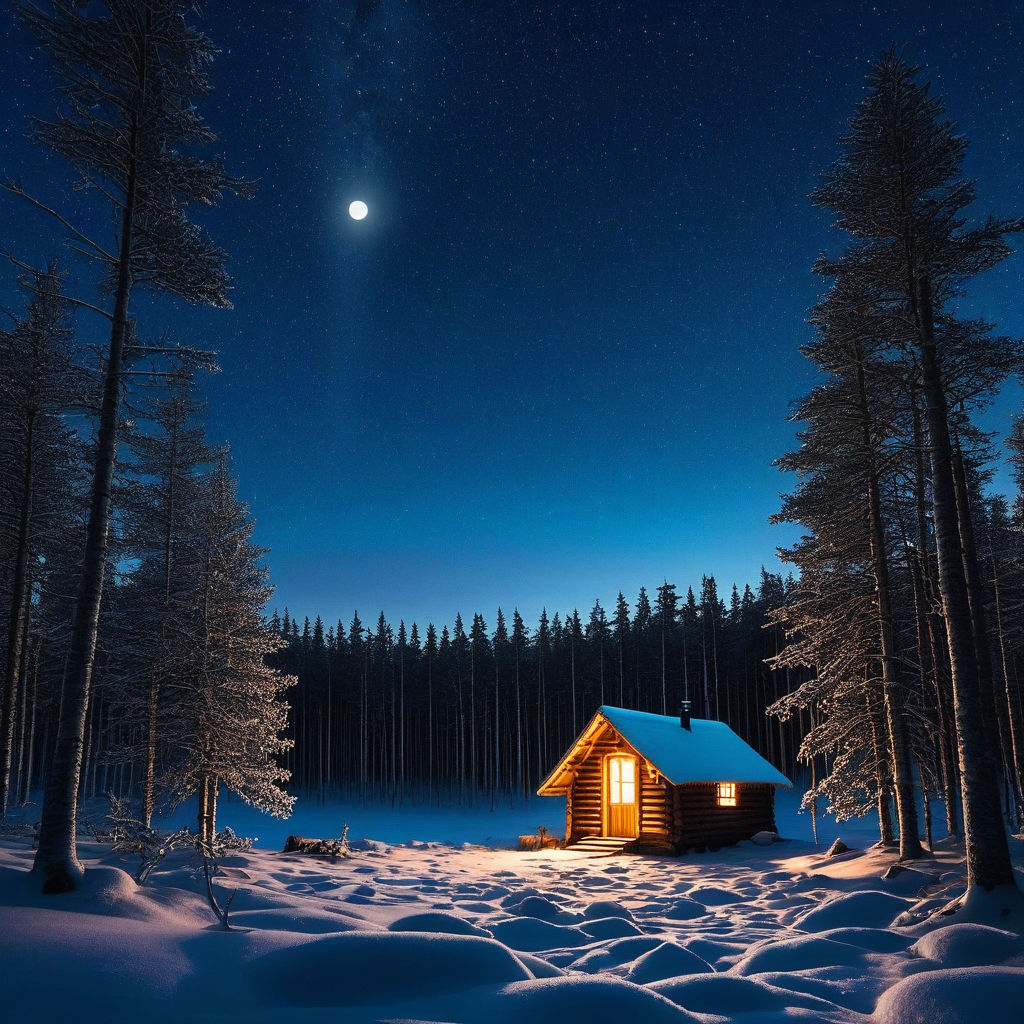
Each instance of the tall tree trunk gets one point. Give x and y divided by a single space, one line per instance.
930 682
999 729
975 594
1010 694
57 857
520 775
934 630
202 818
430 724
883 768
892 690
16 626
497 746
26 778
149 775
988 854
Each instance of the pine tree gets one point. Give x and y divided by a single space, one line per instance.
665 611
519 642
500 645
621 633
430 650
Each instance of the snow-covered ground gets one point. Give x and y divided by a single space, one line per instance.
435 919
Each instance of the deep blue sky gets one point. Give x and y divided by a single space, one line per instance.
556 359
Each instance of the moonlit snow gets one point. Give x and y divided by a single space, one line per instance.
468 931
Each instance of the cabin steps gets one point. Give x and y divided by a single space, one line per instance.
602 845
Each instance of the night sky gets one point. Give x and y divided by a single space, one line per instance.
556 359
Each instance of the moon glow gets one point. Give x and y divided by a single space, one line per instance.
357 209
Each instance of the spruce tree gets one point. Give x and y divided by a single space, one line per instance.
229 710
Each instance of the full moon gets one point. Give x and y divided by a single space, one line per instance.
357 209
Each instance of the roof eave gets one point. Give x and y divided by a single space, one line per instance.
554 785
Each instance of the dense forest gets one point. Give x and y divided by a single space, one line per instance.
484 712
137 654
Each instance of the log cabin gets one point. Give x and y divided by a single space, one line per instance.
663 784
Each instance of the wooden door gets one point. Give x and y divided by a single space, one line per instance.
621 796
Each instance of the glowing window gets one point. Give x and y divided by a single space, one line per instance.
621 780
727 794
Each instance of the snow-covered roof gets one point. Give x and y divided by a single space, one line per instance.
706 752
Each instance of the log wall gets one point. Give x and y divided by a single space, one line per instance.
656 813
586 796
701 824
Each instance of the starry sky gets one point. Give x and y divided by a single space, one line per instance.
556 359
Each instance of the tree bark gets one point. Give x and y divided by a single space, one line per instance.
1010 695
932 630
883 760
57 858
17 622
988 855
892 690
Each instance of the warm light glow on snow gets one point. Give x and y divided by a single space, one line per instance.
431 929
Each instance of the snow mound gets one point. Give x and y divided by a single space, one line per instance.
908 881
609 928
982 995
800 953
111 892
871 909
436 921
606 908
714 896
849 988
531 935
685 910
877 940
616 953
512 900
544 909
594 1000
1001 906
727 994
308 921
714 951
361 968
539 968
666 961
969 945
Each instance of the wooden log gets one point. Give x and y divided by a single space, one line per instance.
701 822
535 842
321 847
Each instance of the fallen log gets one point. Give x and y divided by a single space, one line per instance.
323 847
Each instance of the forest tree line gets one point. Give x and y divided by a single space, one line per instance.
482 711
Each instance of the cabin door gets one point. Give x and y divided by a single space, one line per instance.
620 796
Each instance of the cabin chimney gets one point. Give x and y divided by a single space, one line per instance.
684 715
